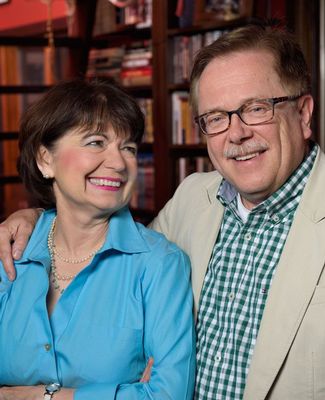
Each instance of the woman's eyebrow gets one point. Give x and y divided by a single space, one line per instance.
86 134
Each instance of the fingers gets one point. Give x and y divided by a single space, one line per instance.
14 234
147 372
20 240
6 252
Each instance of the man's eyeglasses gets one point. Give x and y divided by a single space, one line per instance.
254 112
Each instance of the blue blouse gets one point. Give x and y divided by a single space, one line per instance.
131 302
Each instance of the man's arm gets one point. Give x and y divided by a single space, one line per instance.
14 234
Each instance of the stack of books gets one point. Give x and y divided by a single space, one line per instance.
139 14
105 63
137 67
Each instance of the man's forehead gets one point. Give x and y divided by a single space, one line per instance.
230 80
239 61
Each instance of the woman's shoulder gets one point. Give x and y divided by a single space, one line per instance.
154 238
163 255
157 241
39 235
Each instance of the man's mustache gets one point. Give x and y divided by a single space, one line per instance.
244 149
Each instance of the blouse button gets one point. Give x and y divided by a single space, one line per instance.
47 347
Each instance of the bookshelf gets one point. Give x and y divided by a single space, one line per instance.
180 148
166 37
24 75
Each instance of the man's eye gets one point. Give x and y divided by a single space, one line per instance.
215 118
257 108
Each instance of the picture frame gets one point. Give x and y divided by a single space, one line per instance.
222 10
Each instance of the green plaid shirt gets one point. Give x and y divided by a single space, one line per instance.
237 282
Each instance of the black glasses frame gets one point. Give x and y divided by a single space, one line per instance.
273 101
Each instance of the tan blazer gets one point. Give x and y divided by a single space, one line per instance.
289 356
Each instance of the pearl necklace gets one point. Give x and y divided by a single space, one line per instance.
55 251
56 277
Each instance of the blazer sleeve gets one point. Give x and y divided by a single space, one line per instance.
169 335
187 202
172 215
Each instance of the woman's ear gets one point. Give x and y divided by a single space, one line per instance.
44 162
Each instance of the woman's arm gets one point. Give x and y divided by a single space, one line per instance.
32 393
168 336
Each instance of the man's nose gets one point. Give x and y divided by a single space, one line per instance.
238 131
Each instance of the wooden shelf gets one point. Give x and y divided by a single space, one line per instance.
8 136
185 150
9 179
208 26
23 89
37 41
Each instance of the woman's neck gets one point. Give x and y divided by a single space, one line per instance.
75 236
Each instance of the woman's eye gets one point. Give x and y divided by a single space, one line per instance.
131 149
96 143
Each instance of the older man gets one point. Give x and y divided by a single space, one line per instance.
255 227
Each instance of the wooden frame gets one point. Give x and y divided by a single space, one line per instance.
222 10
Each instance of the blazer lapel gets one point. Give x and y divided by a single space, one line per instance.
296 277
203 240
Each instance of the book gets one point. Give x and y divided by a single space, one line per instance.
137 13
136 76
105 62
105 18
185 13
146 107
184 129
135 62
188 165
143 195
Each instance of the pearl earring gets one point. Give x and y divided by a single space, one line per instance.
45 176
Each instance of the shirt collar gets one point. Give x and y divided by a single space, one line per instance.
123 235
290 190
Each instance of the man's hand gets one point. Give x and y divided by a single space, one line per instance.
14 234
147 372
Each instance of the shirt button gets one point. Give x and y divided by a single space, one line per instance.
47 347
231 296
263 290
275 218
218 357
248 236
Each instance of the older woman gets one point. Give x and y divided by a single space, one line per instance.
102 294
